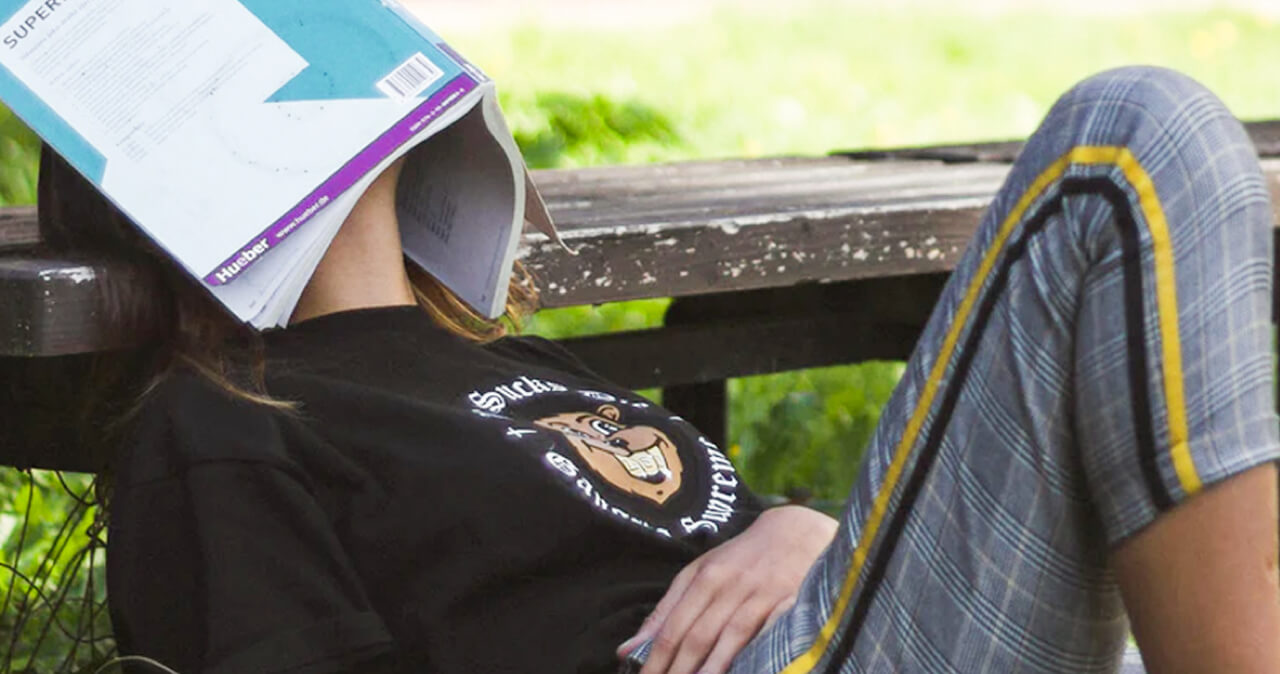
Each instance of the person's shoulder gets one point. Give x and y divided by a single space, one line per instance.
544 352
186 420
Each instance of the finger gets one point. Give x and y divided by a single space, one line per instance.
653 623
707 585
740 616
779 611
743 626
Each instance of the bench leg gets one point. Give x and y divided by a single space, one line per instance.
703 405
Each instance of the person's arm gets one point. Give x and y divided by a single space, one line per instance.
724 598
221 558
1200 583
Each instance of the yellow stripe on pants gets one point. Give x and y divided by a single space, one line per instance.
1171 346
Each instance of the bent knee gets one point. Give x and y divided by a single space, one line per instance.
1148 109
1182 142
1147 87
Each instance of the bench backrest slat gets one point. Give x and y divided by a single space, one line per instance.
18 227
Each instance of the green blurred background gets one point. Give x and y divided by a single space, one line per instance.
735 80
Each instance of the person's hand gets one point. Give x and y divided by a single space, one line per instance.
725 597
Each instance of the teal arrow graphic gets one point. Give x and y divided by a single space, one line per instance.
350 46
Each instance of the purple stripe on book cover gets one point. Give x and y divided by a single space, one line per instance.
340 182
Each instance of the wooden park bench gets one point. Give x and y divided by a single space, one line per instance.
775 264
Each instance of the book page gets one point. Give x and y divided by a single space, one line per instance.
459 202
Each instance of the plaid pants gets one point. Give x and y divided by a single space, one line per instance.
1102 353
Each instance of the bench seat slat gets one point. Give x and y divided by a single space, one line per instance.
847 188
681 229
628 252
665 178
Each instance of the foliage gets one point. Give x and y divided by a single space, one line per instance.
52 587
806 431
562 129
587 320
19 155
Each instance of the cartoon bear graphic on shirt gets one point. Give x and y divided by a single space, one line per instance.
640 460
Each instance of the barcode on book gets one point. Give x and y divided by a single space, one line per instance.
411 78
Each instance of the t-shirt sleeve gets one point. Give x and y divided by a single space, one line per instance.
220 559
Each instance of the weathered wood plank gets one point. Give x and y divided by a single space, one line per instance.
631 252
1000 152
795 248
849 224
577 180
728 197
646 231
1265 135
18 227
638 250
565 185
61 306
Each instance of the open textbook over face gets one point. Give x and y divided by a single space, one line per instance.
239 134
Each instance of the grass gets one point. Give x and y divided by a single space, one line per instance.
813 77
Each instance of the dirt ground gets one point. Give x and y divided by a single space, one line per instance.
445 15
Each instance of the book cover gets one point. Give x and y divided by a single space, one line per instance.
239 133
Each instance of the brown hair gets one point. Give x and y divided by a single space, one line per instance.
193 330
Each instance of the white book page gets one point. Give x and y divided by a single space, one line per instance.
460 203
249 295
278 308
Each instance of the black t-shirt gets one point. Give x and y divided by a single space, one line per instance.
433 504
